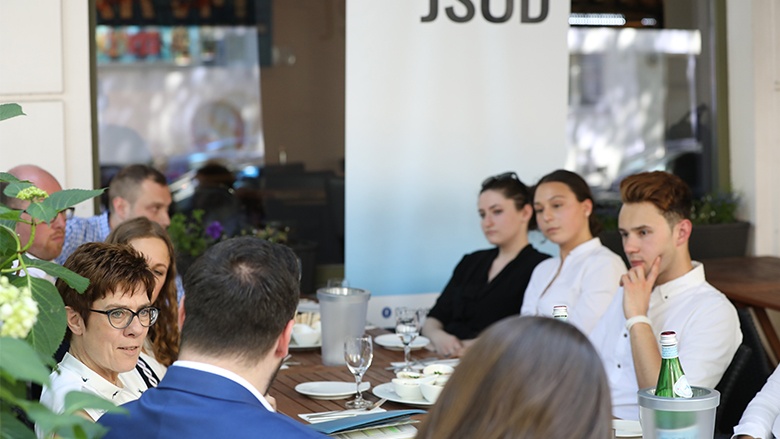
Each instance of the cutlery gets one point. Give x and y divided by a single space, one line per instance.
422 362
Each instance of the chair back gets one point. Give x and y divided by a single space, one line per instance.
744 378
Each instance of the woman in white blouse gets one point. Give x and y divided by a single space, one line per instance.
586 275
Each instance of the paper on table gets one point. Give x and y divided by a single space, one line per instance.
403 431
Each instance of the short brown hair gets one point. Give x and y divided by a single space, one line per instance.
667 192
128 180
164 334
109 269
525 377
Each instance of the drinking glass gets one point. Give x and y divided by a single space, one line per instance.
337 282
358 352
407 326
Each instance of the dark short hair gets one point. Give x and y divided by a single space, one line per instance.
667 192
127 182
110 268
581 191
513 189
240 294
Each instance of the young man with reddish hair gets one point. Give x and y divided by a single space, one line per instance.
663 291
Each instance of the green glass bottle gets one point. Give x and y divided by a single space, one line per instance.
673 384
671 381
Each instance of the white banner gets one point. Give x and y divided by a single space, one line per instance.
441 94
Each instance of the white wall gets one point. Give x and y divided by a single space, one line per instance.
433 108
754 112
44 67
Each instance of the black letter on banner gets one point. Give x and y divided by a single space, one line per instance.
434 12
469 12
525 18
507 15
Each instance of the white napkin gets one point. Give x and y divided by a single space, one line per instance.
338 415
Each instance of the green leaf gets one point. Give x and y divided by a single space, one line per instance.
65 425
49 331
21 361
8 243
8 111
70 197
12 428
79 283
8 178
9 214
14 187
42 212
11 389
75 401
48 208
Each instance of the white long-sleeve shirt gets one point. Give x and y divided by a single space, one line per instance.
762 416
706 324
586 283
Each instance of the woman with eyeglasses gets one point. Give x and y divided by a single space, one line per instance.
162 344
107 326
487 285
585 275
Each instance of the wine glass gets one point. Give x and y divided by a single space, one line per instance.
358 352
407 326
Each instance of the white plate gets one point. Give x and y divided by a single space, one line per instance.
626 428
296 347
387 390
330 389
393 342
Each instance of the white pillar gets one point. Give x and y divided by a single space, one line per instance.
45 67
753 31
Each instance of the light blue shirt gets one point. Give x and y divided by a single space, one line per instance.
82 230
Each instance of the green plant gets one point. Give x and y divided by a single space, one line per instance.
32 314
719 208
189 235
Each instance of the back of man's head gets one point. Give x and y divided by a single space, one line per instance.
667 192
241 293
127 182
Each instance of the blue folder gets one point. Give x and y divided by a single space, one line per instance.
364 421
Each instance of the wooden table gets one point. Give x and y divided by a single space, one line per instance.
752 282
292 403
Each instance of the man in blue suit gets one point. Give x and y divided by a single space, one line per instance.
237 319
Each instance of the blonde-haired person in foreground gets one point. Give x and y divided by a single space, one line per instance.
525 377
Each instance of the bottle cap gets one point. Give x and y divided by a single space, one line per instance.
560 311
668 338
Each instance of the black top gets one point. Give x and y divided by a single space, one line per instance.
470 304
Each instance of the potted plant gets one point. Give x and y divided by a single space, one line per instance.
32 315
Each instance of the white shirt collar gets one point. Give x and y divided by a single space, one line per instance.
586 246
216 370
682 283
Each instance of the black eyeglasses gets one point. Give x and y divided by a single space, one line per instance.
505 176
120 318
69 213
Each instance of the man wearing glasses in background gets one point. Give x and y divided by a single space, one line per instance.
238 315
49 237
